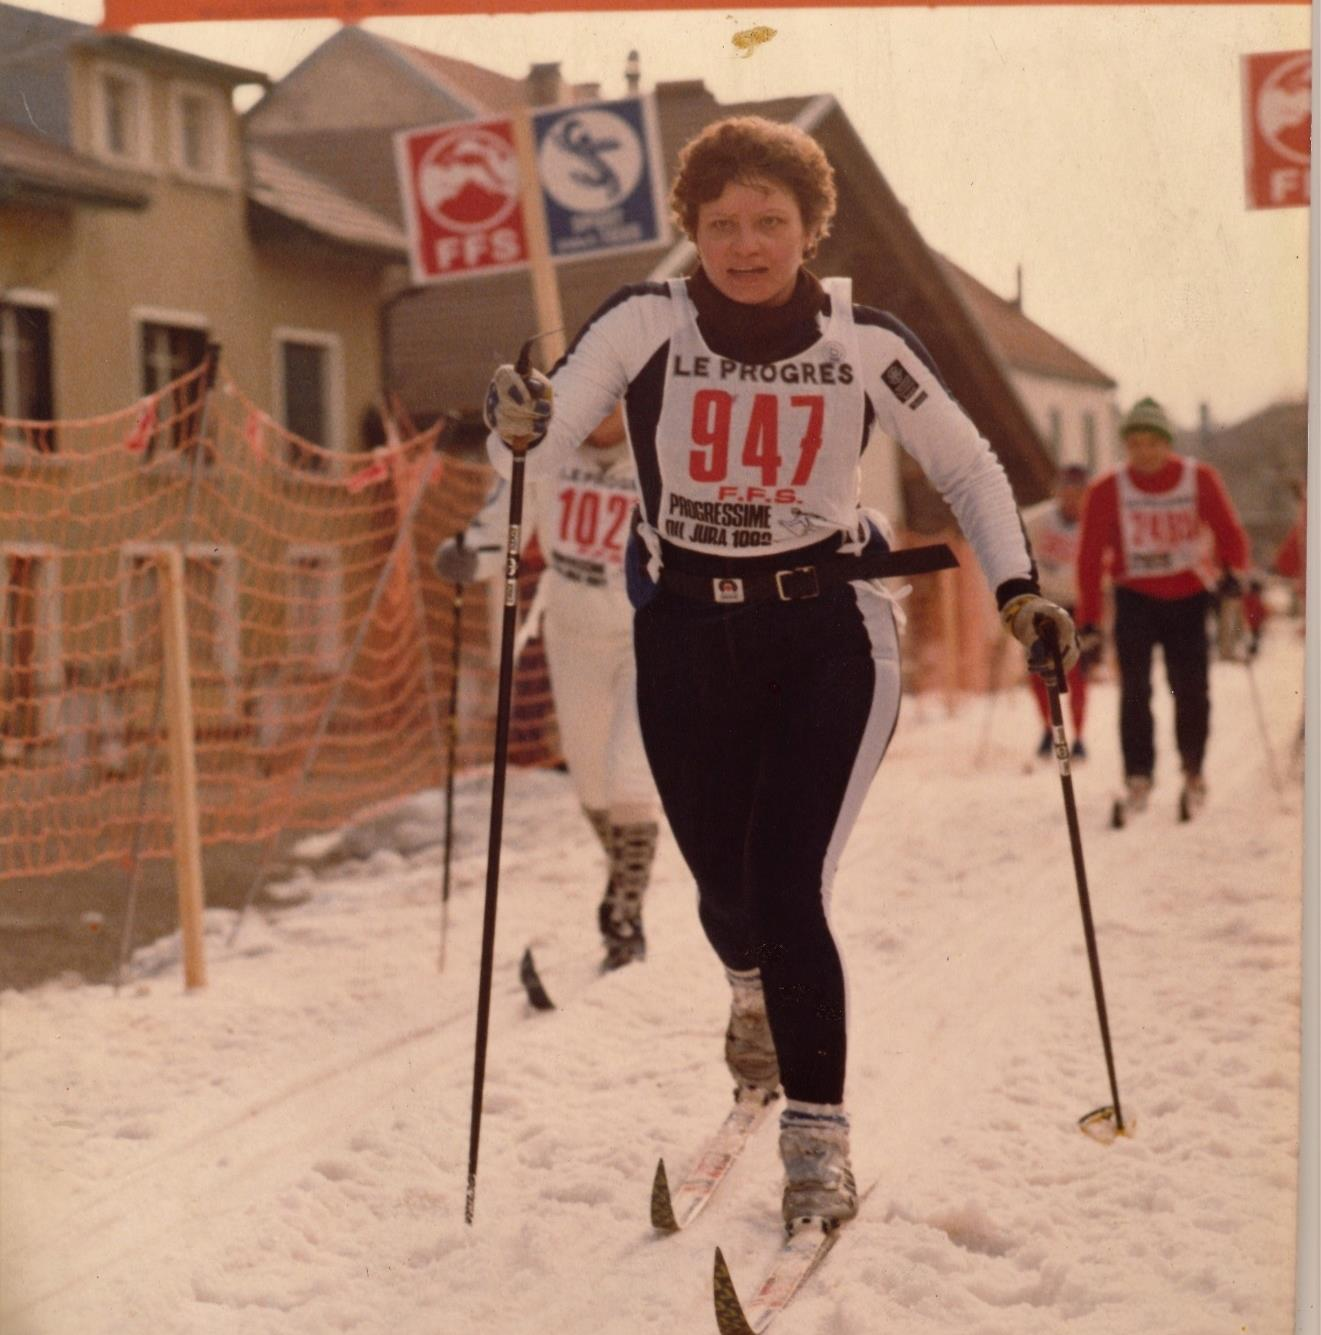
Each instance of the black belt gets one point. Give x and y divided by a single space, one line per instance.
794 584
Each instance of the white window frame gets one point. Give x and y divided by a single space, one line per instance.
143 156
335 387
139 316
50 624
218 171
1091 440
15 452
1055 432
329 629
226 561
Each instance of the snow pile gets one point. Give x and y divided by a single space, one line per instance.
286 1151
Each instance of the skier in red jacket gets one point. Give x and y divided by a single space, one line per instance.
1151 519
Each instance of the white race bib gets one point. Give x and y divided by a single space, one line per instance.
755 459
585 522
1161 531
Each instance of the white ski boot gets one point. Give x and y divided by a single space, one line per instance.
749 1047
818 1179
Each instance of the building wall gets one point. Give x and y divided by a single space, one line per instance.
1059 408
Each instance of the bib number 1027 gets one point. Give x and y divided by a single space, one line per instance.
759 451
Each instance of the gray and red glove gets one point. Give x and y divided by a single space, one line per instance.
518 406
1029 617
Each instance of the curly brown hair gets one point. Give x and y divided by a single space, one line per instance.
752 150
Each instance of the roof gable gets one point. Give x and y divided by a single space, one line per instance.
484 91
1023 343
358 80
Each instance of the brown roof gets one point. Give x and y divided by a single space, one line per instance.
34 169
298 197
1263 461
1023 344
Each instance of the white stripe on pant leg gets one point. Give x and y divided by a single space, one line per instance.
878 621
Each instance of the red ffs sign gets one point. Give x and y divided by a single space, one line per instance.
1277 124
460 191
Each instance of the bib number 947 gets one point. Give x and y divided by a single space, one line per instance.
759 453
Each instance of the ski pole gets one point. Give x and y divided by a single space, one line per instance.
451 742
513 545
1054 688
1261 725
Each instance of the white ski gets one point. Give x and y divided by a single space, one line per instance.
671 1212
799 1255
794 1262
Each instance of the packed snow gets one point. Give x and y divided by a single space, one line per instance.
285 1151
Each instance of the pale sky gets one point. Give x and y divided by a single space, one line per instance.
1099 147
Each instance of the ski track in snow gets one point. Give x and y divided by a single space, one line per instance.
286 1150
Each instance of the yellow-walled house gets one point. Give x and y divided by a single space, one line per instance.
136 227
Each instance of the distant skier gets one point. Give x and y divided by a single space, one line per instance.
1151 519
1255 613
1052 529
581 518
768 658
1290 558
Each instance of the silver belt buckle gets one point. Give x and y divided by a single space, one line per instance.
790 597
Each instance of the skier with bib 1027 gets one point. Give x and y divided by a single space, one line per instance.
767 651
581 518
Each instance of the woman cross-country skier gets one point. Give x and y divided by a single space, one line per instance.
581 517
767 651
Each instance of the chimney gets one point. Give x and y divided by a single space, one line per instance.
545 84
632 73
1018 288
1204 425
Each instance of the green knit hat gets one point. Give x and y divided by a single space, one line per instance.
1147 415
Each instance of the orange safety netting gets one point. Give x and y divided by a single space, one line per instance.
321 642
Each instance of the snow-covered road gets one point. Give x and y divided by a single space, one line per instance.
286 1151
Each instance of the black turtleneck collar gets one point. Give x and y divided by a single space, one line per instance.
755 335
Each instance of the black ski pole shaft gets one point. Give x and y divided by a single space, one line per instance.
504 691
1053 691
451 746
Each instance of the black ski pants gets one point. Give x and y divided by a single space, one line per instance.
1178 625
764 726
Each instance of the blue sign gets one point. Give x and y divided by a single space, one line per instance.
601 179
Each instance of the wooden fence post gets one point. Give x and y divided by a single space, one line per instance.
183 767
